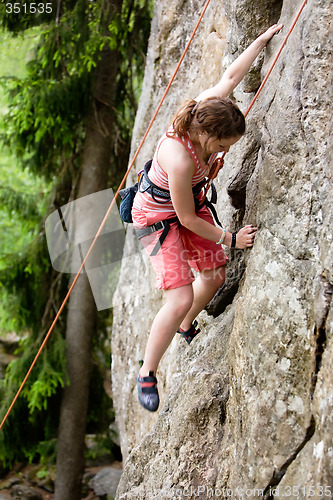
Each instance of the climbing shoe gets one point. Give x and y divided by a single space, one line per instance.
147 392
190 333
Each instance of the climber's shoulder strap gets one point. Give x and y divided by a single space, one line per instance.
146 185
209 203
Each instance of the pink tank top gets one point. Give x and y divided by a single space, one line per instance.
144 202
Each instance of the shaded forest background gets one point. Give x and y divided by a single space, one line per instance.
70 83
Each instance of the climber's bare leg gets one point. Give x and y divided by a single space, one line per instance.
204 288
165 325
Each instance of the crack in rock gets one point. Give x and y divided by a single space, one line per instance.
277 476
325 299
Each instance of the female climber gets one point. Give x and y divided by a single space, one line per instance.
179 232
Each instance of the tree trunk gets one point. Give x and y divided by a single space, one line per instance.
82 311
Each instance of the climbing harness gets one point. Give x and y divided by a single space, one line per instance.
123 183
160 195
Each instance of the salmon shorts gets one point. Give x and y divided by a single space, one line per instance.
181 251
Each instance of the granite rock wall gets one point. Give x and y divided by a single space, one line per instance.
248 406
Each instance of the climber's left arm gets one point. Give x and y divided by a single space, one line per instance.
238 69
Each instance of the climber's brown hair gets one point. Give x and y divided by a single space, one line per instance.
218 117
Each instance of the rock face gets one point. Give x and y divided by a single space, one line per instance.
247 409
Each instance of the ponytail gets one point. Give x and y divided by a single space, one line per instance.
218 117
182 120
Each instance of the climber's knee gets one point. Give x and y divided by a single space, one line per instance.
216 277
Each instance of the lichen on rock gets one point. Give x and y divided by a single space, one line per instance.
249 403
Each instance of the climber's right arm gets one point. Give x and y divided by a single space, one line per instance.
239 68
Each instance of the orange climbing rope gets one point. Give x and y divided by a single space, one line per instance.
124 180
220 161
275 58
105 218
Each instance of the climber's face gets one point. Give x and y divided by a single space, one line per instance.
215 145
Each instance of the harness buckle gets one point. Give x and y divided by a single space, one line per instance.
158 225
145 231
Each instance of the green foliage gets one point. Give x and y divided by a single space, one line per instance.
44 130
102 447
22 203
45 117
45 383
33 424
48 107
26 280
19 202
23 199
